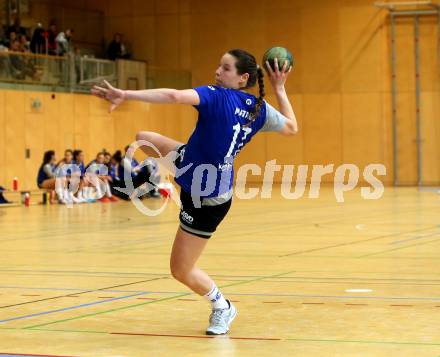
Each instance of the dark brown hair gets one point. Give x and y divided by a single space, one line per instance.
246 63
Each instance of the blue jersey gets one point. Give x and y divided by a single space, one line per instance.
42 175
97 169
81 166
112 172
220 133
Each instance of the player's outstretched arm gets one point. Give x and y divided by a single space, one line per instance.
162 95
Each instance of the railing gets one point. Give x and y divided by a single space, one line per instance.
73 73
69 73
89 71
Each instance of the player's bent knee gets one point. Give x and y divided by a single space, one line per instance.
179 272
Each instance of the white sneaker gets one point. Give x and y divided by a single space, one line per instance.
221 319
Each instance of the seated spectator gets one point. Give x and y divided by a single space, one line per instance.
20 65
140 175
130 166
97 173
24 43
11 38
151 169
46 173
116 49
63 42
107 159
116 180
65 172
84 189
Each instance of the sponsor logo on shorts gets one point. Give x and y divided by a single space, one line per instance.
186 217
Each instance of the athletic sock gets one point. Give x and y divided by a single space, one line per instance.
108 191
217 299
99 193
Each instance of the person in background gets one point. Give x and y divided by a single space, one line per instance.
51 36
38 41
64 171
151 170
130 168
98 175
117 181
85 191
63 41
20 67
128 165
24 43
107 159
46 173
11 38
46 178
116 49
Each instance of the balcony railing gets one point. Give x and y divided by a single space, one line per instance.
73 73
69 73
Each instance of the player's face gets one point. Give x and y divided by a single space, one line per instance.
100 159
68 157
226 74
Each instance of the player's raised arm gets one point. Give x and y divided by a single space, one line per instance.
161 95
278 78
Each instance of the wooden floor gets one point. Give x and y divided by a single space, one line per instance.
310 277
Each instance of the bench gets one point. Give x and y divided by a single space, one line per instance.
34 192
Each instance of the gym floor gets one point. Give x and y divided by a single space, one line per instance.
310 277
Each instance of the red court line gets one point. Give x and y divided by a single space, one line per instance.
271 302
32 355
194 336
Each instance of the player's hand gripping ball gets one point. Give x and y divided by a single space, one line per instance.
282 54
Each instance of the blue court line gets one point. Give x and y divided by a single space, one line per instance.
414 238
71 308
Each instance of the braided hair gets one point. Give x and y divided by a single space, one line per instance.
246 63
